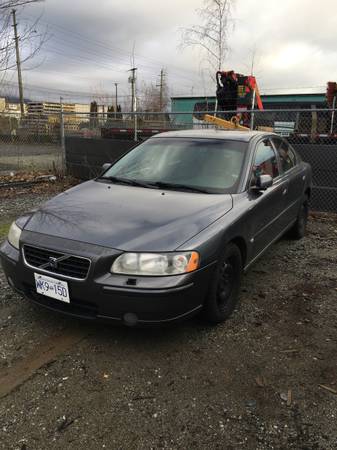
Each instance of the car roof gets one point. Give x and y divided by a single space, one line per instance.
234 135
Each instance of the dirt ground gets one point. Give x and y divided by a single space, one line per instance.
266 379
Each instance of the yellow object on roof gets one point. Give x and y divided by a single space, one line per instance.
232 124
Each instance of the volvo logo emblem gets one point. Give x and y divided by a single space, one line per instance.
53 262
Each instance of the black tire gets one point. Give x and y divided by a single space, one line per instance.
225 284
297 231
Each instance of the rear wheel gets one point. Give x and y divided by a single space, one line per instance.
225 285
297 231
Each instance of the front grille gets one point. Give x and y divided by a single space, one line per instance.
56 262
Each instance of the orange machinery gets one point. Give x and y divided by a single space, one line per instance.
236 96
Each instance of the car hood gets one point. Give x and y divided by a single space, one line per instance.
128 218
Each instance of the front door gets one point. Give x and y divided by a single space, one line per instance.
266 218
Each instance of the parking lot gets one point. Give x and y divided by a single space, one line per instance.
266 379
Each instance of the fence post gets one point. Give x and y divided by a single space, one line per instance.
252 112
313 123
135 138
333 114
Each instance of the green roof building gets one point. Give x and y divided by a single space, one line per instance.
272 101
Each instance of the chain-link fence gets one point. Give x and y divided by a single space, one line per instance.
85 141
314 124
30 143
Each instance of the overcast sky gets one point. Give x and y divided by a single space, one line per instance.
90 45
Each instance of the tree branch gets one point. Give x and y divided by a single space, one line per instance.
212 35
9 4
30 40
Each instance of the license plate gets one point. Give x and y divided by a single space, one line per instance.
51 287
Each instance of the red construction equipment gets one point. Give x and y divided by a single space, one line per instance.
236 94
331 94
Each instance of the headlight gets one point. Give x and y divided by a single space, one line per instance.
156 263
14 235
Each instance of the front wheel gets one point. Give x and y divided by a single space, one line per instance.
225 286
297 231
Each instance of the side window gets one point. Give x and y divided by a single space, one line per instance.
265 161
287 156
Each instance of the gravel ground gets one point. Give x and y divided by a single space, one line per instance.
12 207
266 379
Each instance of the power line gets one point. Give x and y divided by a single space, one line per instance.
114 48
66 92
88 55
76 93
85 59
122 52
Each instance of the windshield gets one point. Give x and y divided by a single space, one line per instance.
211 165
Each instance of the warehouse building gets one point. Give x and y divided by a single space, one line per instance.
272 101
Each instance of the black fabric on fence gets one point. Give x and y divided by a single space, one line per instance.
85 157
323 161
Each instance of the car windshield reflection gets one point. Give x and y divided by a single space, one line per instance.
203 165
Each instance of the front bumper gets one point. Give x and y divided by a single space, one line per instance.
107 297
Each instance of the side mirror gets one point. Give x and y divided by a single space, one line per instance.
106 166
263 182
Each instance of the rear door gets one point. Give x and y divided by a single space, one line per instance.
294 173
266 218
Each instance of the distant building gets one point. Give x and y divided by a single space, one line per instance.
48 113
2 104
72 111
11 108
49 108
82 108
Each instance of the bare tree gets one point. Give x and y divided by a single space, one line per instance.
154 98
101 97
212 35
9 4
30 39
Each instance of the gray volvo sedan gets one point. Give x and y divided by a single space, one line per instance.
165 232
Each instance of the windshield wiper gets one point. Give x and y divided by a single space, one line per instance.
127 181
179 187
154 184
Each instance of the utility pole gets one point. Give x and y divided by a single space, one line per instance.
18 63
62 134
161 89
116 100
132 80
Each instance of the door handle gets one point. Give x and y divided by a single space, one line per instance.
285 190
